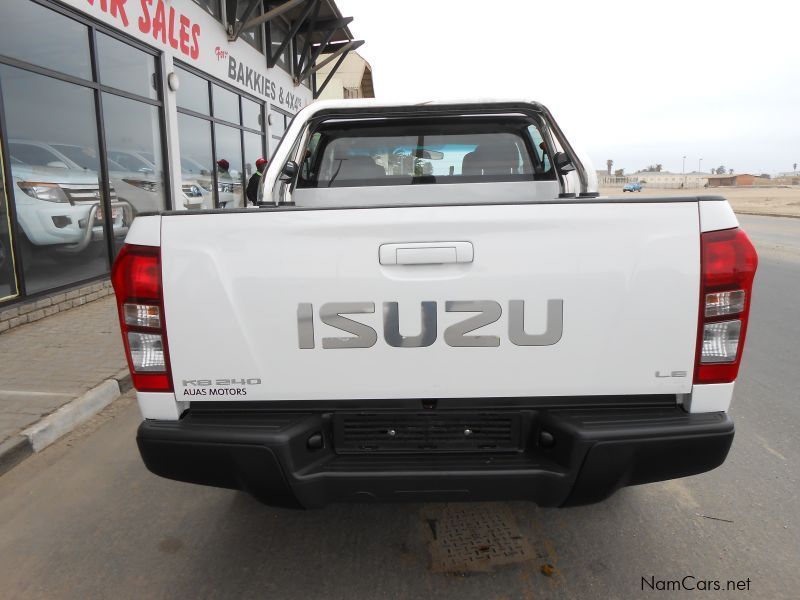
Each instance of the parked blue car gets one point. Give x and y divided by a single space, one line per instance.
632 187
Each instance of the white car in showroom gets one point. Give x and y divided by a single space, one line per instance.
60 208
138 186
142 162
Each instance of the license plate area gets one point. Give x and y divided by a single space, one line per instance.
426 432
116 213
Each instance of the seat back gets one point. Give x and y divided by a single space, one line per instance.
494 159
358 167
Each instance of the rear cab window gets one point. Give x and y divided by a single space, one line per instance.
366 153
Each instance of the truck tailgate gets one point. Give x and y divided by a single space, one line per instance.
608 290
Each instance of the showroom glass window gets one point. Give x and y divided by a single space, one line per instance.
278 32
253 118
83 139
60 44
8 279
212 7
252 35
279 121
221 135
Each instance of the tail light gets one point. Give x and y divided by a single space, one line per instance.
136 277
728 265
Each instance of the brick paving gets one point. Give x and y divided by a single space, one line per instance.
47 363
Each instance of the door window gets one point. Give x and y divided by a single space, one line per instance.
197 165
133 132
229 166
540 148
253 150
233 126
57 199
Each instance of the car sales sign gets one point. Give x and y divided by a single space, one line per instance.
185 31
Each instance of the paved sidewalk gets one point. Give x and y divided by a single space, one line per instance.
49 363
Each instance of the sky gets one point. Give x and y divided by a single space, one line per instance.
637 82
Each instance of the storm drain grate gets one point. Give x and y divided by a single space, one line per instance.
469 537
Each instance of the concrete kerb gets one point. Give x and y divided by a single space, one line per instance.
52 427
72 414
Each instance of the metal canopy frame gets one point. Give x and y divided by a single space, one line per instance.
307 23
235 29
327 24
272 57
310 27
318 49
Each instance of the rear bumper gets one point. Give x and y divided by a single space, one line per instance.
592 454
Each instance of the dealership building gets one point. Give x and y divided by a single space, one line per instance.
113 108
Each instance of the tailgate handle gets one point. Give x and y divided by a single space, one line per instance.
426 253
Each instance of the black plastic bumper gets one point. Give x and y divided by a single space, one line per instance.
566 457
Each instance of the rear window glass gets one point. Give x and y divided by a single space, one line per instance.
457 150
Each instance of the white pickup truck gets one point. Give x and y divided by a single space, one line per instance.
435 304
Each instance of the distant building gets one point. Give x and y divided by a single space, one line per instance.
668 180
788 178
739 179
695 179
604 179
353 79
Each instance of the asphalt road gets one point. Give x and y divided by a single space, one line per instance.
85 519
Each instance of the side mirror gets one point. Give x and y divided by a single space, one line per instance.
563 163
289 171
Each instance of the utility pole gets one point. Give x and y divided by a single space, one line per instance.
683 172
